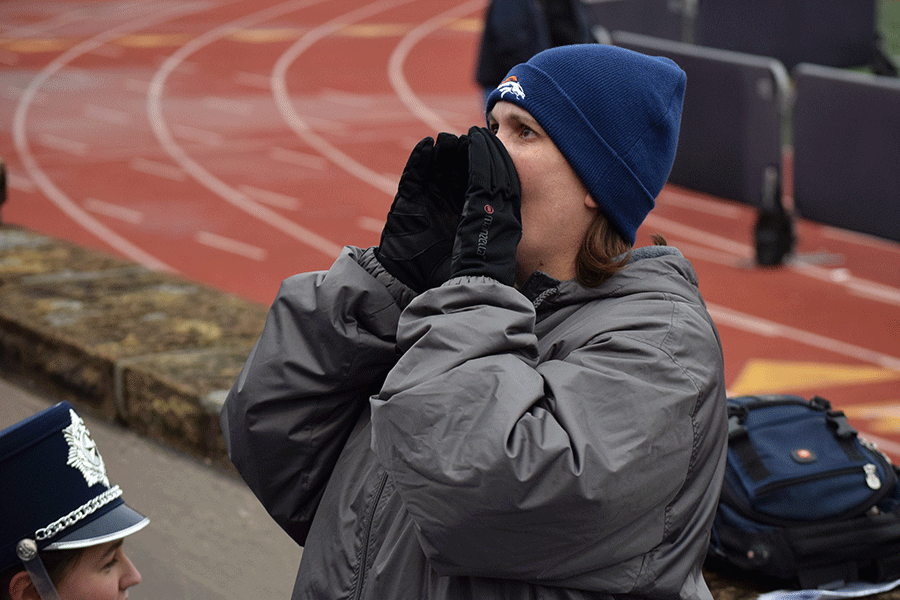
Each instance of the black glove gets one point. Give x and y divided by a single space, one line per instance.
417 239
491 224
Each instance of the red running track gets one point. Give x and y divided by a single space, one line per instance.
237 142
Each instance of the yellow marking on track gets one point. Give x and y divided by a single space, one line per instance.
771 376
882 418
374 30
154 40
266 36
471 25
35 45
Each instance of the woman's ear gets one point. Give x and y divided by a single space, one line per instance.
589 201
21 588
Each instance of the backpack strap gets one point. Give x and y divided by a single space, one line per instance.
739 442
844 433
829 577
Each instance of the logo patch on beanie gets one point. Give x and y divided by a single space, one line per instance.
511 85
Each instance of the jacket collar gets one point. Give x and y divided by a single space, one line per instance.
545 291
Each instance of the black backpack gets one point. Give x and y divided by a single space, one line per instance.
805 499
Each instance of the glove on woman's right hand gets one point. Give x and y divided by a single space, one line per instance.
491 224
417 239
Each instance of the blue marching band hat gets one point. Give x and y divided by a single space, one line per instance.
55 491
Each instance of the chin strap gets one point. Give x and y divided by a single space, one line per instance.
28 553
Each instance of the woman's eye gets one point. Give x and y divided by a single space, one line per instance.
112 561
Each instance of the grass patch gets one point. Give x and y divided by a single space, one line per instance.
888 24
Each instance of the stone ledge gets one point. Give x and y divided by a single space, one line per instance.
149 349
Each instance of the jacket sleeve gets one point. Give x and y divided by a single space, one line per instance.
328 341
537 468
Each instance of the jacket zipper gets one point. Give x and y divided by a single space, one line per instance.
367 534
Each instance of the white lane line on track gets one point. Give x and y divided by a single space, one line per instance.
114 51
714 256
359 101
195 134
195 170
18 182
853 285
861 239
398 57
874 291
39 29
187 68
76 75
14 93
228 106
61 144
300 159
105 114
230 245
672 197
764 327
271 198
122 213
20 138
706 238
158 169
370 224
301 126
254 80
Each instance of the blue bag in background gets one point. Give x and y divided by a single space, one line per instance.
805 499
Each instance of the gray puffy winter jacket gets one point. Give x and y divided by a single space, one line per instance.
479 441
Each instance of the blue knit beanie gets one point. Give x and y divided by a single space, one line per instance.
613 113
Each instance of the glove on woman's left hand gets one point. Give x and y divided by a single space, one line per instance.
491 224
417 239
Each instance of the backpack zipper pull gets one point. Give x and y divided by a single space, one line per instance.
872 479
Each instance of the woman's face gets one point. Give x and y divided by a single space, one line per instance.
102 572
556 207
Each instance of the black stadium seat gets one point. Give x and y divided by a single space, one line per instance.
657 18
837 33
846 132
731 124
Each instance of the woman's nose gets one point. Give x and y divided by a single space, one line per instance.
131 576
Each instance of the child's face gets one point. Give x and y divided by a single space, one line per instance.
102 572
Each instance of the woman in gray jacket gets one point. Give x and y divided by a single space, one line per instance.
502 400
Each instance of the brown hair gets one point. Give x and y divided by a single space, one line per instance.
604 252
57 562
